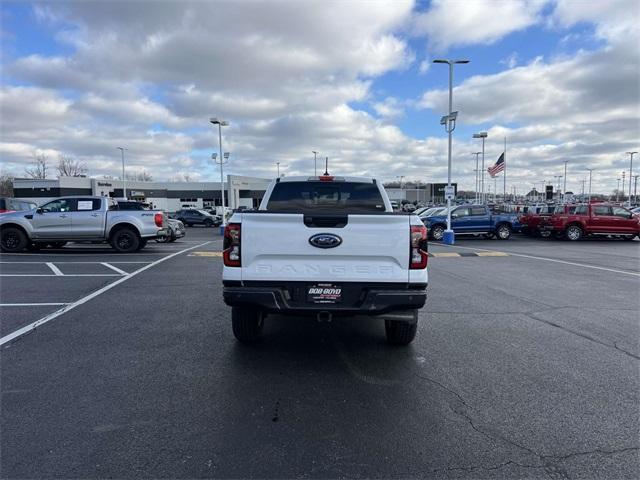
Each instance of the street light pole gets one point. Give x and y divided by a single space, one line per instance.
623 182
635 188
481 135
124 179
449 236
476 170
618 191
221 123
631 154
278 169
315 163
564 188
590 171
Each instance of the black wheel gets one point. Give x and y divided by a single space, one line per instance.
437 232
208 223
573 233
173 238
503 232
125 240
399 332
57 244
13 240
247 323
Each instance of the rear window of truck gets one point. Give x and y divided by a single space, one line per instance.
330 197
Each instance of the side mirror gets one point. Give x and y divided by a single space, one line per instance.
39 210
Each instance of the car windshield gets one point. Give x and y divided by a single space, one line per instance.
204 213
330 197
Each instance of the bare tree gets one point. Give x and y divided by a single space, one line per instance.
6 184
39 168
68 167
140 176
186 177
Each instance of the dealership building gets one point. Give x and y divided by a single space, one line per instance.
240 191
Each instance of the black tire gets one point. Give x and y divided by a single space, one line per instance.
503 231
573 233
57 244
247 323
13 240
208 223
399 332
437 232
125 240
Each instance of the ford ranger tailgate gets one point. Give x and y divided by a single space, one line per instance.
370 247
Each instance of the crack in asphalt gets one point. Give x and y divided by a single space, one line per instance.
547 462
580 334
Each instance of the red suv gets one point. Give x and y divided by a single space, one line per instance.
594 219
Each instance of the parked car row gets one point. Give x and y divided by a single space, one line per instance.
194 216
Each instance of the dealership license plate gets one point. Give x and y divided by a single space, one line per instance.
324 293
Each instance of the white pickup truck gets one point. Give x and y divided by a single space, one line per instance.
325 246
80 219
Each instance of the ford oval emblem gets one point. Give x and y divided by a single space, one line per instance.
325 240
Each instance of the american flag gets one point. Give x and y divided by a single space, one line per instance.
498 167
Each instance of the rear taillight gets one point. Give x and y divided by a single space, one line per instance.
159 219
231 246
418 256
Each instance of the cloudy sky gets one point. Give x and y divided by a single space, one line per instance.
353 80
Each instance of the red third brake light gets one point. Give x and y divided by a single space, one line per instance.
231 246
418 256
326 178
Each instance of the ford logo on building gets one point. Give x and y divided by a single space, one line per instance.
325 240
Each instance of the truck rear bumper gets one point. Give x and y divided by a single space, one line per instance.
371 300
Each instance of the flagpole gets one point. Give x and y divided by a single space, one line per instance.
504 193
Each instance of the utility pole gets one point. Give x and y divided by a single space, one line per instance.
278 169
564 188
315 163
618 191
124 178
631 154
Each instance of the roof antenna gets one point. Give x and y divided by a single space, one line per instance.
326 165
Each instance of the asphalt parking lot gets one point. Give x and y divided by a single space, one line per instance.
525 366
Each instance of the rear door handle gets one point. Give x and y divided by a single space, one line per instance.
94 214
63 216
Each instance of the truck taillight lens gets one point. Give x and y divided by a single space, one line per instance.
159 219
418 256
231 246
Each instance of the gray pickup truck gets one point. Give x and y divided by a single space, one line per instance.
81 219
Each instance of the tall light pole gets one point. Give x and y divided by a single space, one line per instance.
590 171
618 191
221 123
635 188
449 237
315 163
564 188
476 170
631 154
401 177
124 179
278 169
481 135
623 182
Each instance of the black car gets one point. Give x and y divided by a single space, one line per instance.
192 216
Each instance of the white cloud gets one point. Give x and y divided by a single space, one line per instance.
390 108
450 23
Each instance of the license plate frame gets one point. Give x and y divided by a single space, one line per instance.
324 294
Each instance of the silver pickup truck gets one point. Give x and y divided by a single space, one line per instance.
78 219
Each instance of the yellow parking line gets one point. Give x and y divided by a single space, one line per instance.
205 254
492 254
444 254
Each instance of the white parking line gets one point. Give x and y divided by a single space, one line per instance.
36 263
115 269
62 275
32 304
100 291
54 269
546 259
